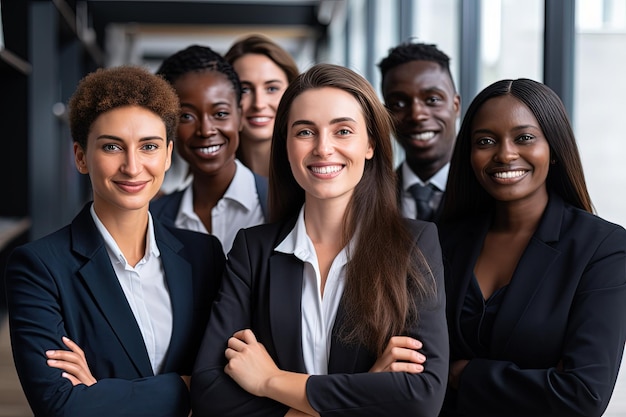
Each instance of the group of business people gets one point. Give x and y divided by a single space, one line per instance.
348 300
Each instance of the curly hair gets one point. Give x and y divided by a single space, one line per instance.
196 58
408 51
111 88
262 45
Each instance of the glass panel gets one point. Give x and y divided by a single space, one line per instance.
600 88
511 40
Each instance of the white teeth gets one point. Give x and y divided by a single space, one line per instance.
423 135
509 174
210 149
327 169
259 119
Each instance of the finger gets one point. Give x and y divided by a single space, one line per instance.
64 355
405 342
65 366
73 346
75 381
245 335
407 355
411 368
236 344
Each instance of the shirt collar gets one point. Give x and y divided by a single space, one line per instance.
438 180
151 246
298 243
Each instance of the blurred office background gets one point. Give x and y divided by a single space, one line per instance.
578 47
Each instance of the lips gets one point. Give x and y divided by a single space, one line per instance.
505 175
326 169
131 186
422 136
259 120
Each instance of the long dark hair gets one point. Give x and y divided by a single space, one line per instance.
465 197
385 274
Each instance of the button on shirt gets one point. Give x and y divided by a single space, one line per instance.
146 292
318 313
238 208
409 178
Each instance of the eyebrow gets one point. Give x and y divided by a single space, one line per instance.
116 138
332 122
521 127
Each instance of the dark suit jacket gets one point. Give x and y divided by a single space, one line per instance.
565 307
262 290
64 285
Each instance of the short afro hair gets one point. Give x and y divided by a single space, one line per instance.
111 88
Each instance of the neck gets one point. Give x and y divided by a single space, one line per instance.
209 189
519 216
426 170
324 220
256 156
128 228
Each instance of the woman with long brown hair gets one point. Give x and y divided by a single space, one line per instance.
336 307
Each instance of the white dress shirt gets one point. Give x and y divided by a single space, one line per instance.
408 207
318 313
238 208
146 292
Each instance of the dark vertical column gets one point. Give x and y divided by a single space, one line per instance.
469 49
405 17
558 54
44 145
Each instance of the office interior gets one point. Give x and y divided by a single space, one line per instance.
577 47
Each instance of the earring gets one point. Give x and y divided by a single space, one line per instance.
553 161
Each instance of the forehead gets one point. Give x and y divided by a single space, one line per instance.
504 112
202 82
257 66
128 122
324 104
417 74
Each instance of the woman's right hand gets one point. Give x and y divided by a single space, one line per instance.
72 362
401 355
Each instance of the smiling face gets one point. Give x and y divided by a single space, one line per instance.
327 143
263 84
126 158
425 107
510 155
208 132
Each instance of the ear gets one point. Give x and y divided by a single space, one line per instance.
370 150
168 158
80 159
457 105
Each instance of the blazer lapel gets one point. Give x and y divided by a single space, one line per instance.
343 357
178 276
99 276
529 275
285 290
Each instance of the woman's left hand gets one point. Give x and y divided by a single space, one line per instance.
249 364
72 362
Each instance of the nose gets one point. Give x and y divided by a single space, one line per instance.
132 164
419 110
258 100
323 145
206 128
506 152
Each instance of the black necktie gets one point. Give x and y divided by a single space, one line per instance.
422 195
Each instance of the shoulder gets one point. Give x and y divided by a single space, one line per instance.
166 203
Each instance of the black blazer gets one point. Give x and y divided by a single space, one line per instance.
262 290
64 285
558 337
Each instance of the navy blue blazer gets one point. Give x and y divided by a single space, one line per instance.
64 285
262 289
559 335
